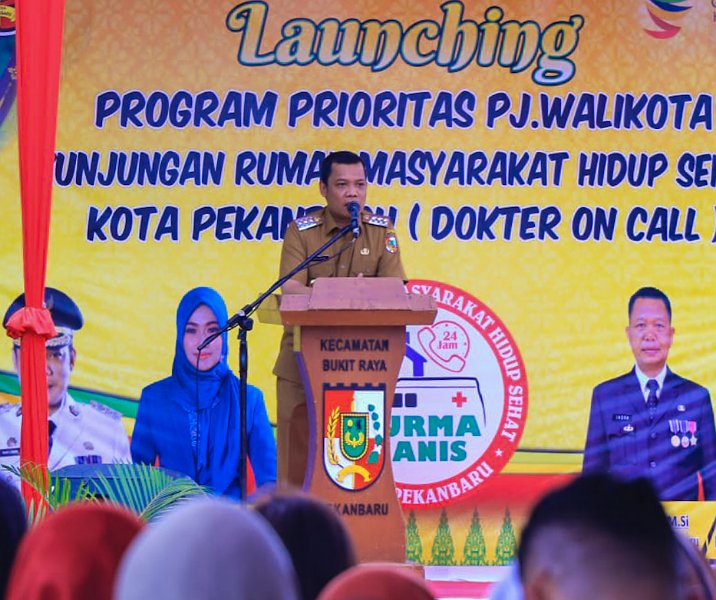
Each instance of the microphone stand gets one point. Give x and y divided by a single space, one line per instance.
244 322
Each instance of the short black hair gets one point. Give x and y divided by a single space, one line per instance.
314 535
342 157
649 292
627 512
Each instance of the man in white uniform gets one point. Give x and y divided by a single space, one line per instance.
79 433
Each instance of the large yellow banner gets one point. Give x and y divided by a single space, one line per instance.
543 159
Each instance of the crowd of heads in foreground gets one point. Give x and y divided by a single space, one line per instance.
594 538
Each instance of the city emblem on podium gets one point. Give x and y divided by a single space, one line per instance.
353 435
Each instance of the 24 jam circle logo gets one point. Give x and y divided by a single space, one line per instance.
460 403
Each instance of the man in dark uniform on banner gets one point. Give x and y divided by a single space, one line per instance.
79 433
651 422
374 253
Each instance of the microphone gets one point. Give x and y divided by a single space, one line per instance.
354 209
207 341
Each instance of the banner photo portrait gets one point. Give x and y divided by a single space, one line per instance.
541 161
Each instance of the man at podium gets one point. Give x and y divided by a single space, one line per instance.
371 252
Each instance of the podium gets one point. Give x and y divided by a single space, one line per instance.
350 342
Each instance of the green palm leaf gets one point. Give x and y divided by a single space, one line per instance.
146 490
176 492
55 491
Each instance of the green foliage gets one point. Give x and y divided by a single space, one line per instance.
143 489
54 491
475 551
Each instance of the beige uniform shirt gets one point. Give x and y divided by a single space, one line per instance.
374 254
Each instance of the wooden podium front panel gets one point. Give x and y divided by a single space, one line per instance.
350 374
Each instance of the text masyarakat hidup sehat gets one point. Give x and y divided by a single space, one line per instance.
66 316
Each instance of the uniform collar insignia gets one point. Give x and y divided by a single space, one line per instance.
379 220
308 222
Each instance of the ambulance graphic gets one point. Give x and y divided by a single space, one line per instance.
460 403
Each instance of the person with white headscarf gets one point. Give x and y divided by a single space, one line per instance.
208 548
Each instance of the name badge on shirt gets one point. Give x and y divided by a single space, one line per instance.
10 452
621 417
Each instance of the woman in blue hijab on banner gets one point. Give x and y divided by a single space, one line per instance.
189 422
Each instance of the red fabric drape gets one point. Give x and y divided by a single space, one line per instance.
39 43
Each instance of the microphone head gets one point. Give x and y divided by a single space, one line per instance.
354 209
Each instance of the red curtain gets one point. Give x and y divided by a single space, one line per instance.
39 43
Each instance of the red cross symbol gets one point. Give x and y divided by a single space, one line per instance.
459 399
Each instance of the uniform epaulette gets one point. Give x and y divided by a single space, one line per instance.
308 222
106 410
379 220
